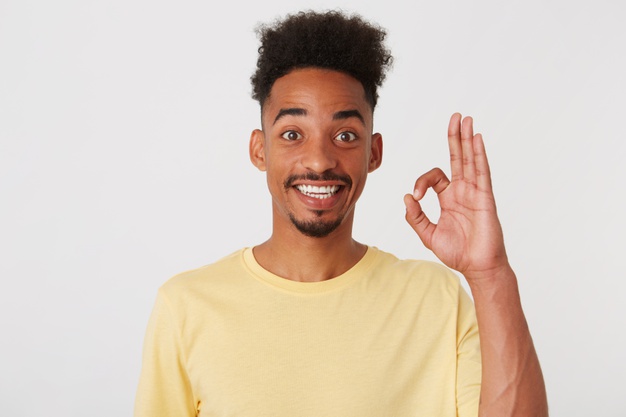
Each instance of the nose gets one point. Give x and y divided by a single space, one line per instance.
318 154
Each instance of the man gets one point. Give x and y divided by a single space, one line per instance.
313 323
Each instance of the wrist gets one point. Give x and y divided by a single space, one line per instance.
485 280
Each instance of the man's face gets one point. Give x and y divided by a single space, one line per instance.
317 148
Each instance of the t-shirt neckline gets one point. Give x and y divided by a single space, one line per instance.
338 282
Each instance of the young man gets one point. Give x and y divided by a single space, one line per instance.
313 323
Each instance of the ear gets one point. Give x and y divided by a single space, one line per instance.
376 152
257 149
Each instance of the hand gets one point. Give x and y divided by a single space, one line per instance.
468 236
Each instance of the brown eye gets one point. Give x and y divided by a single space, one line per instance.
291 135
345 137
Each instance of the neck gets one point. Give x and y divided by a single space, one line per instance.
290 254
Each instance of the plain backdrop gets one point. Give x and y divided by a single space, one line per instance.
124 130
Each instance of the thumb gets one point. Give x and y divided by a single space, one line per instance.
418 220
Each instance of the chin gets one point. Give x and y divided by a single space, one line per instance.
316 228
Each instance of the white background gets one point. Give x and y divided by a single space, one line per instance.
124 131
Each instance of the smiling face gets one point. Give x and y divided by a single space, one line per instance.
317 148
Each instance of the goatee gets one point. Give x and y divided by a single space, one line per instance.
316 228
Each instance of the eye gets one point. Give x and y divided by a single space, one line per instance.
291 135
345 137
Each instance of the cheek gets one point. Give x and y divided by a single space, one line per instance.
359 164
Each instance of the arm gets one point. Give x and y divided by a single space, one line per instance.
468 238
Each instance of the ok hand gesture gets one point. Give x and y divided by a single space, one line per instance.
468 235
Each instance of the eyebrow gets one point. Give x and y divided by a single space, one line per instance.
293 111
340 115
346 114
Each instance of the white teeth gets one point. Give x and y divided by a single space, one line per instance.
318 192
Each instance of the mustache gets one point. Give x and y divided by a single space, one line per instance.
312 176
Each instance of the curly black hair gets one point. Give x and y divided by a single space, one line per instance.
329 40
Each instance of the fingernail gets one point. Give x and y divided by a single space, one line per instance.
416 194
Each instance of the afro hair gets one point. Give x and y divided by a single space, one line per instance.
329 40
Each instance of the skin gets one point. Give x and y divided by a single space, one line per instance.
327 114
306 120
468 238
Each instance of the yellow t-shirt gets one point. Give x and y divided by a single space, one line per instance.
387 338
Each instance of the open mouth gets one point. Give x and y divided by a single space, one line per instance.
319 192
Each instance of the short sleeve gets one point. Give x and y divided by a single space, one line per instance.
164 387
469 371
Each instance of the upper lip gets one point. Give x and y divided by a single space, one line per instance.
318 180
317 183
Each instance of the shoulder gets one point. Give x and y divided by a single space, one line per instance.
419 288
426 275
414 268
205 277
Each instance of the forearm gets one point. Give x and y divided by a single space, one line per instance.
512 382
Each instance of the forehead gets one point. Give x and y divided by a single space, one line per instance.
318 91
